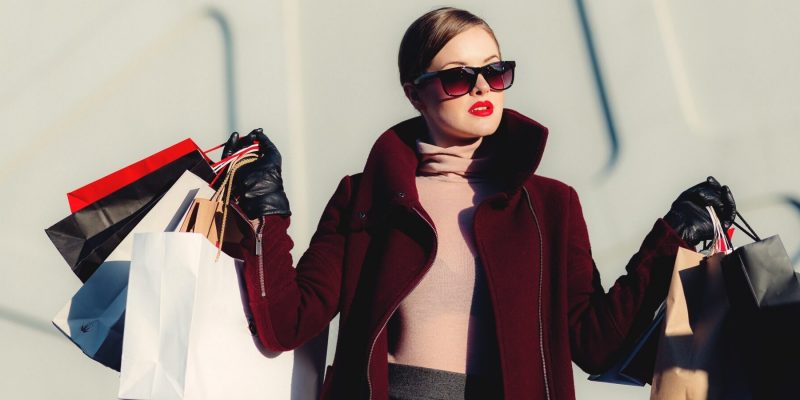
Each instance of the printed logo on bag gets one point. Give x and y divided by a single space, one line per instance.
91 326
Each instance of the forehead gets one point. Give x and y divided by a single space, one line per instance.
472 47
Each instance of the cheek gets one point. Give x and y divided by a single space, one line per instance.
438 106
455 108
447 112
433 94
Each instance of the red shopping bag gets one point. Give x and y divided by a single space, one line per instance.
108 184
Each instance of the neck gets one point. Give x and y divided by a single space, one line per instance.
445 141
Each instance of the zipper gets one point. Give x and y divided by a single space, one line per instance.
259 251
539 304
394 308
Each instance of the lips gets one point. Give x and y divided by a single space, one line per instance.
481 109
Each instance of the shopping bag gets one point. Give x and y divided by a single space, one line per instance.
205 217
209 217
90 193
635 368
187 334
764 293
94 318
766 270
88 236
695 358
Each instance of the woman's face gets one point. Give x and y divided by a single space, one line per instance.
464 119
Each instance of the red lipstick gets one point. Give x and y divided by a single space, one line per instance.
481 109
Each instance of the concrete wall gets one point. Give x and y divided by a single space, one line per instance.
667 93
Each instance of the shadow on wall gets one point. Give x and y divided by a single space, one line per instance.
611 131
221 20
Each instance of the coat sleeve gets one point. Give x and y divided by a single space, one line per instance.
291 306
601 323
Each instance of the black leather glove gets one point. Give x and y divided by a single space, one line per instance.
688 215
258 185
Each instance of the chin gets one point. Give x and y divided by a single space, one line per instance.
467 128
469 133
485 127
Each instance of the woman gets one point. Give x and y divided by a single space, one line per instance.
456 270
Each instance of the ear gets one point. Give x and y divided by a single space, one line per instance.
412 94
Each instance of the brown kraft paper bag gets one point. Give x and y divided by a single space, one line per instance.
695 359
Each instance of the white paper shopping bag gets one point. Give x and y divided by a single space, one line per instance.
93 318
187 334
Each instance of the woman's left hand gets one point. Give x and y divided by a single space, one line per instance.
258 185
688 216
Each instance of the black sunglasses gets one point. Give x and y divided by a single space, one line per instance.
459 81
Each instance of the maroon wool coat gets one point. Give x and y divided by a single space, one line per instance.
375 242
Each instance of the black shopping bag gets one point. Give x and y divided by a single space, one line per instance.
635 367
88 236
764 294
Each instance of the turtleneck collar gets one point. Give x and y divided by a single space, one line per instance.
454 163
518 147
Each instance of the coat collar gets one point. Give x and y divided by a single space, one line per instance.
518 145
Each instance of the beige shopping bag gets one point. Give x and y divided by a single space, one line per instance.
205 217
695 359
679 372
209 216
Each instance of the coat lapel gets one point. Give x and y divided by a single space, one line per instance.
403 241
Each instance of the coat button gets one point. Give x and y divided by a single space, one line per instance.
401 194
362 215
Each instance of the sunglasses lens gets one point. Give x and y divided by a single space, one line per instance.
499 75
457 81
460 80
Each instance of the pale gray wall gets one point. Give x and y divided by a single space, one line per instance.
695 88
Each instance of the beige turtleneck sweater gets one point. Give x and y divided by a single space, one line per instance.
446 322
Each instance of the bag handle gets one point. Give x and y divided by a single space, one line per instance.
217 166
749 231
221 164
225 190
721 243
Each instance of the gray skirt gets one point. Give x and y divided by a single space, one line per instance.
407 382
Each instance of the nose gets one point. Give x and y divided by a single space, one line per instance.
481 86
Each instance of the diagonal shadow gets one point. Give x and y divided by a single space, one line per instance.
221 19
611 129
230 83
27 321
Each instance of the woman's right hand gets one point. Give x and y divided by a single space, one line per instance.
258 185
688 216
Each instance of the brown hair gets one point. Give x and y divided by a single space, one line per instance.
428 34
